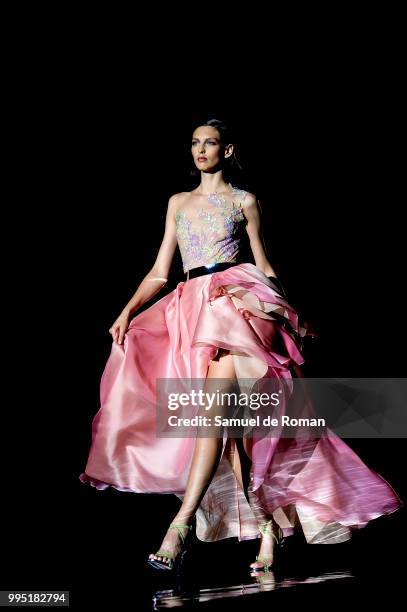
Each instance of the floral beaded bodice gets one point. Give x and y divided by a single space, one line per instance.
211 234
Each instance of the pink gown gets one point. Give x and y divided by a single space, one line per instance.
319 485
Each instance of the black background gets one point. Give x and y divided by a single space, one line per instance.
106 152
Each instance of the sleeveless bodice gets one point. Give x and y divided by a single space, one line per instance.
211 233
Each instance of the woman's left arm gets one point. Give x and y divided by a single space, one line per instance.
251 211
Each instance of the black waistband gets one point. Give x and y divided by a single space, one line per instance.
218 267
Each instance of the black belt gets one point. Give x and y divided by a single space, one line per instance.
218 267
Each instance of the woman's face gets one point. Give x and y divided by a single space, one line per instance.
207 150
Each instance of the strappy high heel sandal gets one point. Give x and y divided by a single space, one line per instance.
161 565
267 560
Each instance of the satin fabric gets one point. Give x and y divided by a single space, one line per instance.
319 485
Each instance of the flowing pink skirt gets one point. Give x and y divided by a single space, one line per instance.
320 485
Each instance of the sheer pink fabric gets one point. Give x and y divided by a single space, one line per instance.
320 485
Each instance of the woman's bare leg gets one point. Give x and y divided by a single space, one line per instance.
267 526
205 459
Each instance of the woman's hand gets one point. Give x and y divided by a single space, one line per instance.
119 328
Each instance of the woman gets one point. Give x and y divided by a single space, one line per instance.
228 321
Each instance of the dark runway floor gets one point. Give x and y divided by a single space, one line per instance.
257 591
95 544
215 576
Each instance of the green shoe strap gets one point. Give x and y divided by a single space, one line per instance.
263 528
164 553
178 528
265 531
265 561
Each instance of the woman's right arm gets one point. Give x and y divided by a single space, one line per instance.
155 279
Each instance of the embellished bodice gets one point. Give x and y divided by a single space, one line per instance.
211 233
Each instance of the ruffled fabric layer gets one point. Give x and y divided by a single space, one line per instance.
319 485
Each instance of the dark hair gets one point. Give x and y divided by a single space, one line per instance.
232 167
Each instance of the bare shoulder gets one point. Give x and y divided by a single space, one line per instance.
176 200
249 201
250 198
